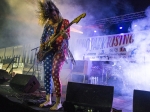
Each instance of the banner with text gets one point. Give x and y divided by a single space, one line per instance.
110 47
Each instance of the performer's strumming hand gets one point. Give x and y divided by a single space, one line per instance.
64 34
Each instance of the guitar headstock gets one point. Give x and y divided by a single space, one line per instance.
76 20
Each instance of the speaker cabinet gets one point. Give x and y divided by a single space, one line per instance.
4 76
24 83
141 101
89 95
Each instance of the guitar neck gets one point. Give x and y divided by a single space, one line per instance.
76 20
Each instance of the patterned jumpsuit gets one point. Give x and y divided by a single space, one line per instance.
55 59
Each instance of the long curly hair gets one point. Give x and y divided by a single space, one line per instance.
45 11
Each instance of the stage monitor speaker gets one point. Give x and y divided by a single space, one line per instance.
4 76
24 83
141 101
89 95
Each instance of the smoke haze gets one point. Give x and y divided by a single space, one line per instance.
20 23
136 75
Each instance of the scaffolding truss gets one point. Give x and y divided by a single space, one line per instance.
119 19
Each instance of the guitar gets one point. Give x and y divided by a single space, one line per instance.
46 47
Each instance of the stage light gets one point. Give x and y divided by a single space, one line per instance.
120 27
95 31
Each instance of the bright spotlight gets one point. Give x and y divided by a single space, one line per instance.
120 27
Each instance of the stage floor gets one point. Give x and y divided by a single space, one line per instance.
10 100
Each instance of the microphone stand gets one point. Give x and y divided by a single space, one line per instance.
34 62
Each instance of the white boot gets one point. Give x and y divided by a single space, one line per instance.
47 102
57 105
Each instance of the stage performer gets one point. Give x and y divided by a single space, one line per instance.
53 22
